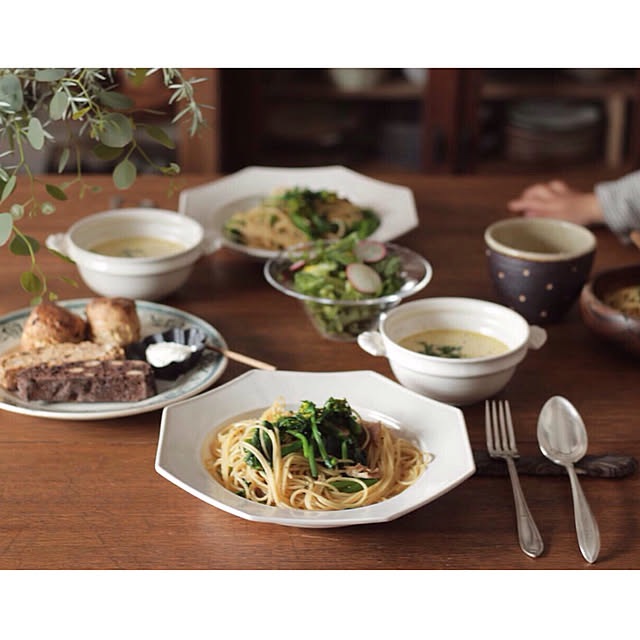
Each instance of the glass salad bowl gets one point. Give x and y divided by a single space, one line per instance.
344 285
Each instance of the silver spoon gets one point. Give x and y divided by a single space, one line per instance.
563 439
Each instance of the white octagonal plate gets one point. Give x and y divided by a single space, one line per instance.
213 203
435 427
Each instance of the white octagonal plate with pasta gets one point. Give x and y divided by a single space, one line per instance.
214 203
424 446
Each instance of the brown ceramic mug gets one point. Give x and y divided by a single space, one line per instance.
539 265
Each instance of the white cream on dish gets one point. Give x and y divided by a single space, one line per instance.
162 354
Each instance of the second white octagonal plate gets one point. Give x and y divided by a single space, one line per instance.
213 203
434 427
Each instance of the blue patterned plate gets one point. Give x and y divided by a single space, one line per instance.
154 318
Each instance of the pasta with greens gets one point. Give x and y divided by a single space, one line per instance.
293 216
317 458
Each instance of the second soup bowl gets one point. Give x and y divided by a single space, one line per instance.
458 381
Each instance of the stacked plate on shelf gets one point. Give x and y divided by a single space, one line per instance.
543 130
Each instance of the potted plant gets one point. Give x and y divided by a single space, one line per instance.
95 112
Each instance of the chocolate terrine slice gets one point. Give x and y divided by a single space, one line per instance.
88 381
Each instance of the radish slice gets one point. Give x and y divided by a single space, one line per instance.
370 251
363 278
298 264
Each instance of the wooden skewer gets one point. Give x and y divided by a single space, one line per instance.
635 237
238 357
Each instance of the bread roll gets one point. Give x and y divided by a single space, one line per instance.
113 321
50 324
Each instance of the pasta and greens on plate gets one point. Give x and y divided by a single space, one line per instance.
289 217
316 458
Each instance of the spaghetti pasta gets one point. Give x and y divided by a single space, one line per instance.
289 217
261 461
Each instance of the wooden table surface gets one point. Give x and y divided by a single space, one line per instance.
86 495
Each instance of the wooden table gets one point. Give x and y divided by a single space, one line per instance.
86 495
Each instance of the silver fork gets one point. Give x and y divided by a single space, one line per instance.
501 443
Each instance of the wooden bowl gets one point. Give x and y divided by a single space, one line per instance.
611 324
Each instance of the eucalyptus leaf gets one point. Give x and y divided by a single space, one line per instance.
138 76
50 75
64 158
20 246
73 283
61 256
106 153
52 296
58 105
30 282
115 100
35 133
11 98
124 174
160 135
55 192
6 226
117 131
81 113
9 186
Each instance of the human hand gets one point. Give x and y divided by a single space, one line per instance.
556 200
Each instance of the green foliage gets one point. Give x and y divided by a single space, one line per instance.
124 174
117 130
55 192
31 283
24 245
6 226
31 99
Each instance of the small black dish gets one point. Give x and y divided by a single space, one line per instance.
188 336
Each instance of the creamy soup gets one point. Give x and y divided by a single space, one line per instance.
453 343
137 247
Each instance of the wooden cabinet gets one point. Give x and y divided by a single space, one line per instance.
300 117
454 97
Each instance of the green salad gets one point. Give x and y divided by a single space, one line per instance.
349 269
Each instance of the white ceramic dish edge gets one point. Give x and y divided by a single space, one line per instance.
212 203
442 474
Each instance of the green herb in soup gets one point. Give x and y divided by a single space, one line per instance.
441 350
454 343
137 247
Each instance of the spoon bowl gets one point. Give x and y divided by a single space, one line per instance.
562 437
562 445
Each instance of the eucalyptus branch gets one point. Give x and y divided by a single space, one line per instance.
32 99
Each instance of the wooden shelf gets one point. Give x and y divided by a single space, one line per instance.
512 90
391 91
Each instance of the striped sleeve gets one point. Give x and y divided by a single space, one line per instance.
620 201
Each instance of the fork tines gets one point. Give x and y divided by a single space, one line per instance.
501 438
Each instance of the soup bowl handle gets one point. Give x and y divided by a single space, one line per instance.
58 242
537 337
211 243
371 342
